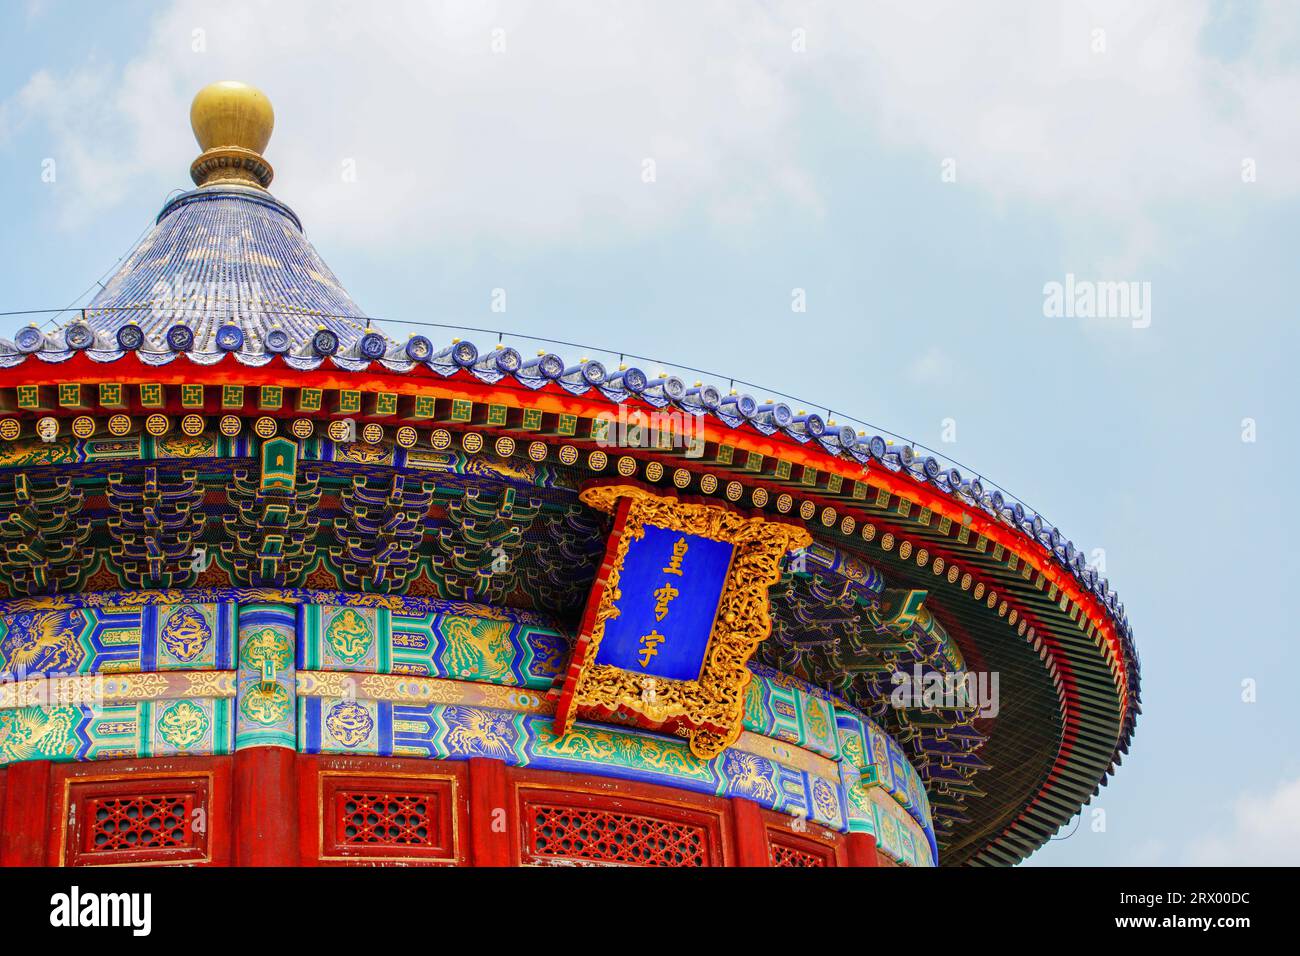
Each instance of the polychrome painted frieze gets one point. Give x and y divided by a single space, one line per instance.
116 639
209 671
166 727
453 643
457 732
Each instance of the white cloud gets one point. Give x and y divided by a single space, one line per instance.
446 135
1264 830
547 138
1035 112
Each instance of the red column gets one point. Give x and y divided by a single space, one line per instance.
751 833
26 814
265 814
491 818
862 849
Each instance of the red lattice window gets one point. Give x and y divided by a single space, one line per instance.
786 849
138 821
605 836
388 818
793 856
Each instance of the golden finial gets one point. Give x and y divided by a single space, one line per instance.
232 122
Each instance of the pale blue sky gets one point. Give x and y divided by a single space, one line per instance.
803 146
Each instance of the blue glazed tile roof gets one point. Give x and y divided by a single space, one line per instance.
221 258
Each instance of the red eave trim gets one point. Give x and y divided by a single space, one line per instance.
551 398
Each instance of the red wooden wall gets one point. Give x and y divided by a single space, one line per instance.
270 806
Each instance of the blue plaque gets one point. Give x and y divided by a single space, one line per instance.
644 653
670 586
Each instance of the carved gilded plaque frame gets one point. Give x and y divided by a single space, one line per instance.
711 708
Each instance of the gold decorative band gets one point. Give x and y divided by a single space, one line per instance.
106 689
231 164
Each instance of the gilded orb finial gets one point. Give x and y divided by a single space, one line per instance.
232 122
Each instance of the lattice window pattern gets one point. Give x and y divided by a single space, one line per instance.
783 855
385 819
610 837
151 822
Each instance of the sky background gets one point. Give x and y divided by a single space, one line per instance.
436 153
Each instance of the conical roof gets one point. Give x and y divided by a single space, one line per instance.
226 269
222 256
